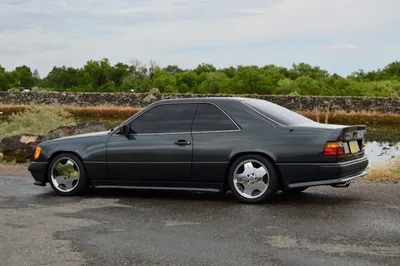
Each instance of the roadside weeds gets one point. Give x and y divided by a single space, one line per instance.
389 170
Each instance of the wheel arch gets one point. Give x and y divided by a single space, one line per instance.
271 158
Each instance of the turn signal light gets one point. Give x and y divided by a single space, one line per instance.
334 149
37 152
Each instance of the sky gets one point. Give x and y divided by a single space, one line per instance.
340 36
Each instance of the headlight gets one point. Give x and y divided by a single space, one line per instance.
37 152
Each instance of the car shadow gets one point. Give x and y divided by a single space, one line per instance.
133 194
305 198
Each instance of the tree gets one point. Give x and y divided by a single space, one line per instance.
61 78
96 74
6 81
136 76
204 68
36 74
214 82
173 69
307 86
186 81
306 70
118 73
24 77
391 71
251 80
164 81
286 86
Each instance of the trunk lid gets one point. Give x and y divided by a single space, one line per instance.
350 133
351 137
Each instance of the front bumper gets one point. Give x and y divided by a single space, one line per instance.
38 172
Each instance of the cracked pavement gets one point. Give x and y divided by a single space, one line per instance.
359 225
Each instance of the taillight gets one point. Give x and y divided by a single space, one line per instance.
363 145
334 149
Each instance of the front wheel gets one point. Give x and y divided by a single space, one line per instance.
252 179
66 175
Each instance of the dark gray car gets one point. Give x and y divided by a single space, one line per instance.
249 146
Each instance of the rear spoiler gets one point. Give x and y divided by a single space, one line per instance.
353 133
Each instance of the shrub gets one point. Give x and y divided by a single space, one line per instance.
154 91
36 120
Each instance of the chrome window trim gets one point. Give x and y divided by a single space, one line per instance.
193 132
216 131
237 126
154 134
272 120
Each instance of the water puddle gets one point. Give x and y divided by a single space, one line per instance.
381 152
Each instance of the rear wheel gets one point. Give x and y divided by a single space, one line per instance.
252 179
67 176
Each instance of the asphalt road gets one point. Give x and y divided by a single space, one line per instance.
359 225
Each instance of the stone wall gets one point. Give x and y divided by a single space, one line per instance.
298 103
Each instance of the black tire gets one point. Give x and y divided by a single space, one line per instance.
273 183
82 183
297 190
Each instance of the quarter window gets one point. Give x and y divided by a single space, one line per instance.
168 118
210 118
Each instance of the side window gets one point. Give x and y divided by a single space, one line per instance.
210 118
169 118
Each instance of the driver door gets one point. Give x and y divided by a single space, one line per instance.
159 148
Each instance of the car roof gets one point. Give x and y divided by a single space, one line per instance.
203 99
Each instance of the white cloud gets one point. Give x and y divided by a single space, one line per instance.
345 46
44 33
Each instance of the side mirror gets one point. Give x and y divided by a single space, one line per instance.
125 129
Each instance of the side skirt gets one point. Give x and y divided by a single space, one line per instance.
173 186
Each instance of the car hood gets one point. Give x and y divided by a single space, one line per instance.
86 135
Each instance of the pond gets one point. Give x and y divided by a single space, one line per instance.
383 140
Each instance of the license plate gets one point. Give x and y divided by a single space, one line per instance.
354 147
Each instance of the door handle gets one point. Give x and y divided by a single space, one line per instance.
182 142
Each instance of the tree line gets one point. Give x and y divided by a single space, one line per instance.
300 79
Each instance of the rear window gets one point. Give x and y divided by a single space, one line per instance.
277 113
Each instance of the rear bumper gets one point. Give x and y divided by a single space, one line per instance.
344 181
38 172
314 174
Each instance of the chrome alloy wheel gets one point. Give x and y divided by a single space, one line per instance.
251 179
65 174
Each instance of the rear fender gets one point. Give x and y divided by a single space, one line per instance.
237 153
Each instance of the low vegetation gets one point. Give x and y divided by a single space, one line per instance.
300 79
343 117
102 111
36 120
322 116
388 170
5 162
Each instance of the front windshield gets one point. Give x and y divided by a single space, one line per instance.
277 113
